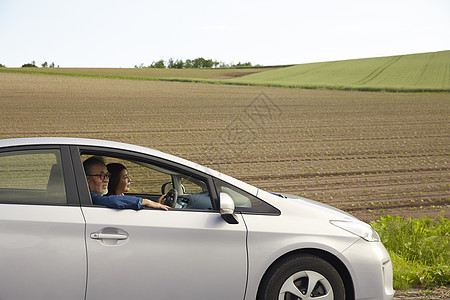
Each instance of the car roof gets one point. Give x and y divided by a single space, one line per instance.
123 146
84 142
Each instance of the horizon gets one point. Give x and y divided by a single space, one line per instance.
39 65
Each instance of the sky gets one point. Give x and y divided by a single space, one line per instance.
126 33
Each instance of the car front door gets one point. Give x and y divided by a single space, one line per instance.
157 254
42 249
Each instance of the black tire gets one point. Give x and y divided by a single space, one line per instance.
311 272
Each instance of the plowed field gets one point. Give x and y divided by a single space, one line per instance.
370 154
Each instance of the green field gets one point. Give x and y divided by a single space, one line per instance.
425 72
414 72
141 73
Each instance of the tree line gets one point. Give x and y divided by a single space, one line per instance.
44 65
33 65
198 63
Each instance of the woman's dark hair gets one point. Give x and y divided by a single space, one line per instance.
114 169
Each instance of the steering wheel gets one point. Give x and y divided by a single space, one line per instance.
163 187
171 198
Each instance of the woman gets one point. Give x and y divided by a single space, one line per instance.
119 183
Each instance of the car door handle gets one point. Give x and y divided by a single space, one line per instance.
108 236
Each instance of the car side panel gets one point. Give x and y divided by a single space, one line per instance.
166 255
42 252
271 237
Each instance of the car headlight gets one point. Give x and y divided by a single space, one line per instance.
360 229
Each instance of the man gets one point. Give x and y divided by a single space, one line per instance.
97 176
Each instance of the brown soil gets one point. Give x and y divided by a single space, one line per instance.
416 294
240 74
370 154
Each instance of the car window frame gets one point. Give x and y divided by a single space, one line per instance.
83 190
271 210
67 172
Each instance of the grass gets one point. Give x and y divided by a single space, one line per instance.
193 75
425 72
408 73
419 249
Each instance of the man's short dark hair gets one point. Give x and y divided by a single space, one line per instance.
92 161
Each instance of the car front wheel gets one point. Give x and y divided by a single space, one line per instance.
302 277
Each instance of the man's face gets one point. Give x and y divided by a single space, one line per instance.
96 184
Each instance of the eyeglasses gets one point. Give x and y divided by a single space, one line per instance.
102 176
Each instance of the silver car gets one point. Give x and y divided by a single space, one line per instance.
221 238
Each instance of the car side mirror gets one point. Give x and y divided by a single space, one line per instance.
227 209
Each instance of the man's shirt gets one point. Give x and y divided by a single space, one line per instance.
117 201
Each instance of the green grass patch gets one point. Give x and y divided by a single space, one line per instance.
419 249
141 73
410 73
425 72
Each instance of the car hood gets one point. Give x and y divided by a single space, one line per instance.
295 202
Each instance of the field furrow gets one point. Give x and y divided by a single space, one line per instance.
367 153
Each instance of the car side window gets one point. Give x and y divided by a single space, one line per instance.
32 177
245 202
144 180
192 186
148 180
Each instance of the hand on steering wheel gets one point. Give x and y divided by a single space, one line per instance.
171 198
